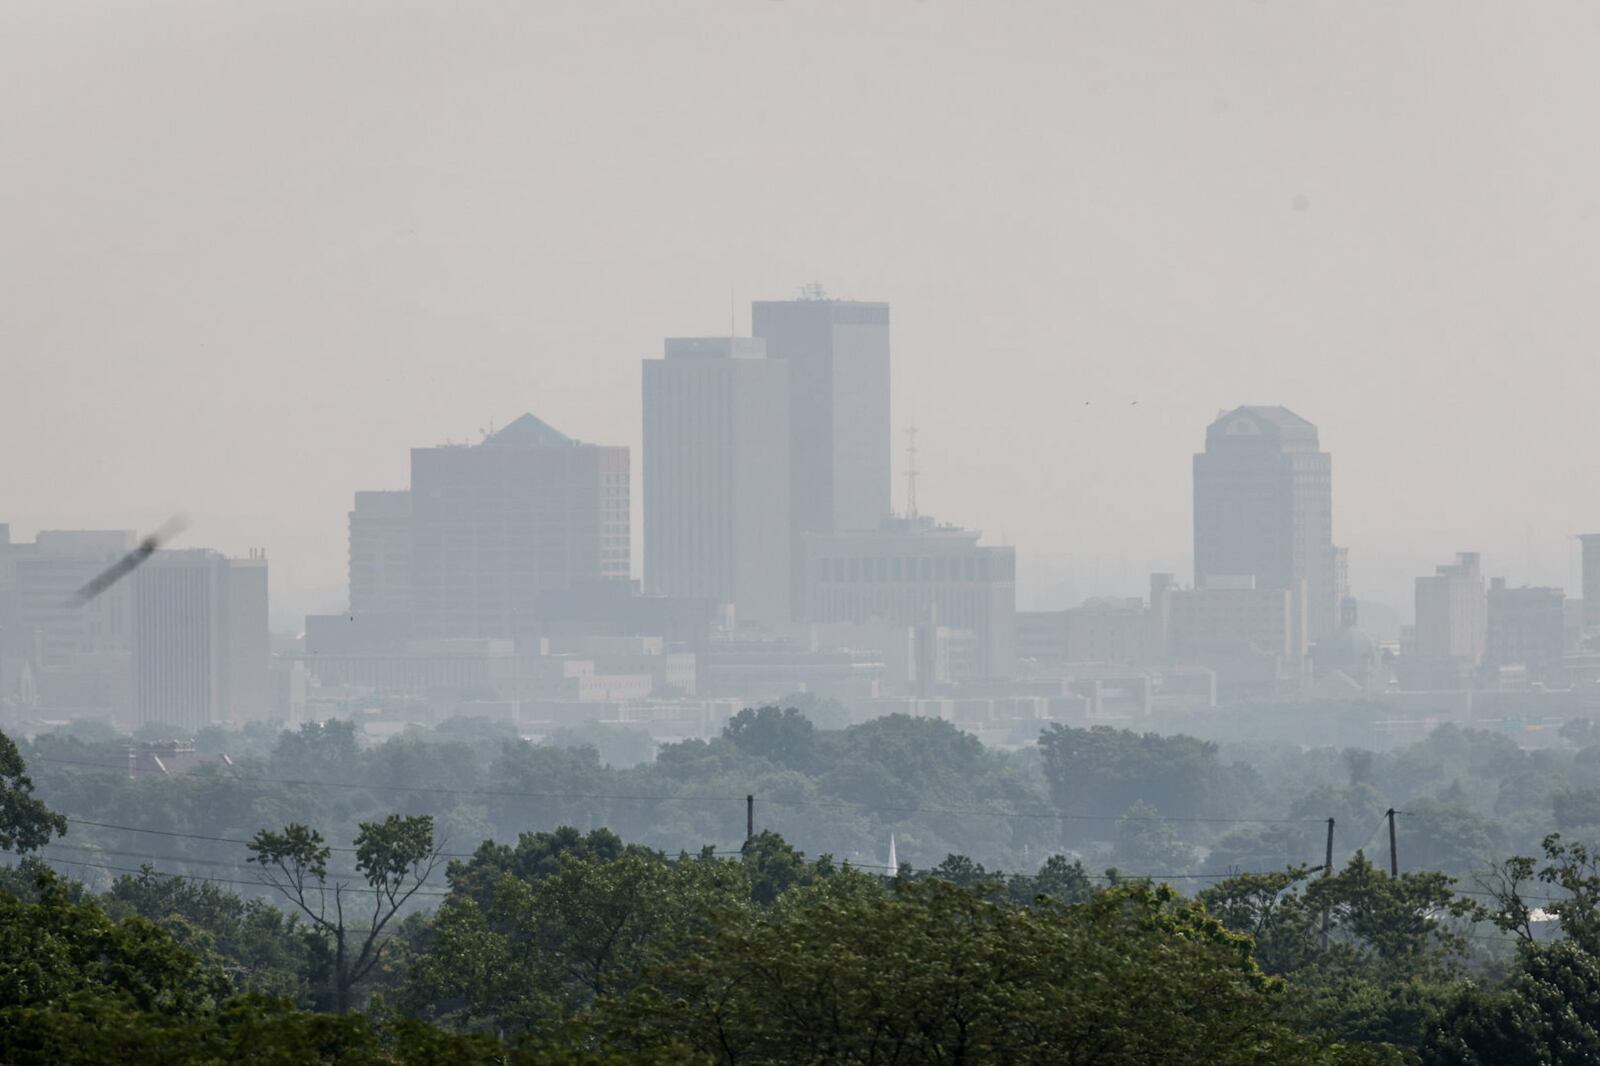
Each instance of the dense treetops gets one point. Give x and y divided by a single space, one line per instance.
465 896
1467 797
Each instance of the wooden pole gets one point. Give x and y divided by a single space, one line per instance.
1327 871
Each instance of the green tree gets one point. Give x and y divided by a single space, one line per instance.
26 824
548 947
319 751
1392 955
261 948
1147 843
824 712
1569 867
939 973
59 948
1058 880
1450 836
615 745
773 866
395 857
1103 771
534 857
1575 808
1547 1013
783 735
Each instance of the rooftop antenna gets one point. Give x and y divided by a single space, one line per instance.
911 471
813 291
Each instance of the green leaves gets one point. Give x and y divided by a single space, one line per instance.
1103 772
938 973
395 856
1393 954
298 850
547 948
56 948
26 824
390 850
1546 1014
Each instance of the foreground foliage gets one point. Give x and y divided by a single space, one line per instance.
579 946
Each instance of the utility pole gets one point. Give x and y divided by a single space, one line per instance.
1394 857
1327 871
750 819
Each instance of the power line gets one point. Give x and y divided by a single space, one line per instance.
1046 815
190 877
423 789
89 849
224 840
1375 826
338 874
169 833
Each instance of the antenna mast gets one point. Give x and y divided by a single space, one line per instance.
911 472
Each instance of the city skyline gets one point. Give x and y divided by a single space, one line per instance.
400 276
1045 582
799 530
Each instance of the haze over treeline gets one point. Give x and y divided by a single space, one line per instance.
251 260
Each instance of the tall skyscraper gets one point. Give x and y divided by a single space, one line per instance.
380 553
201 651
716 475
1591 579
1263 508
838 356
494 525
1452 612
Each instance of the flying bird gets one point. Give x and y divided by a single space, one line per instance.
128 563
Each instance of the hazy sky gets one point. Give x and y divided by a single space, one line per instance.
252 253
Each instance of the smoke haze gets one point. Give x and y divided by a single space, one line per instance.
254 254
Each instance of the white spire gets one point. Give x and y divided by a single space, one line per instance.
894 863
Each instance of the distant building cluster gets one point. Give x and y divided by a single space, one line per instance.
182 641
1270 615
498 583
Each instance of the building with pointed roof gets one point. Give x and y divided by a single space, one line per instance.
496 525
529 431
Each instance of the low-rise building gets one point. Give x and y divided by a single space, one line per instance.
1527 628
915 572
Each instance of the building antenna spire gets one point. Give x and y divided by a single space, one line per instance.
911 471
